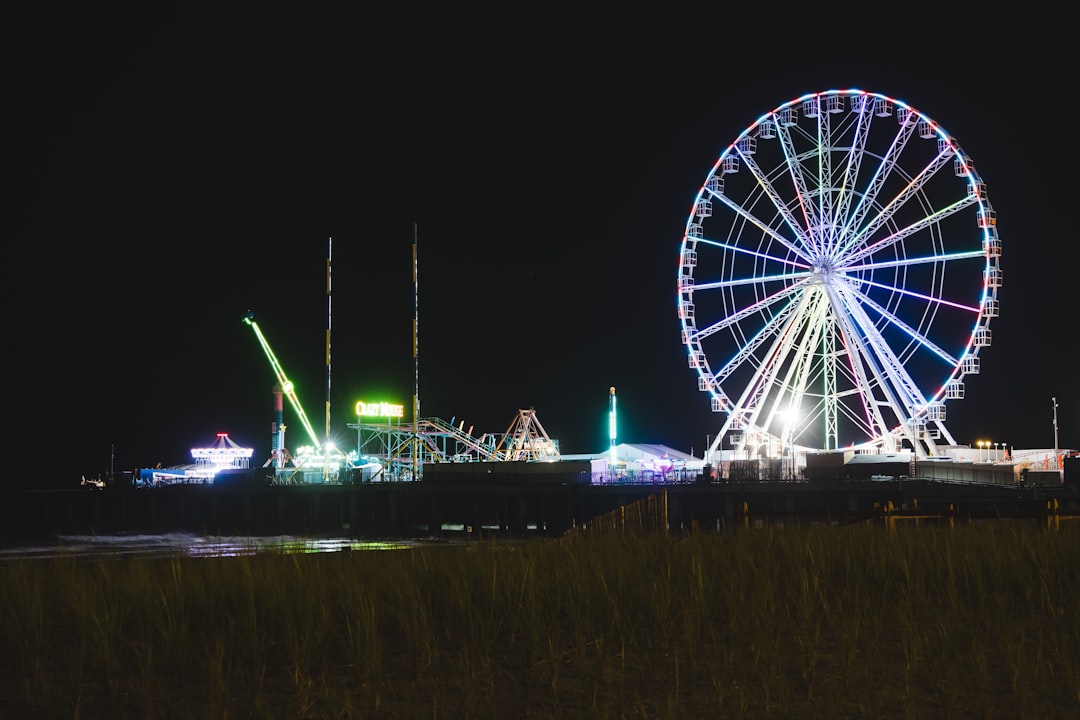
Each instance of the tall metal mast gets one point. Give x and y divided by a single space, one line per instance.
326 441
416 366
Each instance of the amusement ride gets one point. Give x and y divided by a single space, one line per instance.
838 273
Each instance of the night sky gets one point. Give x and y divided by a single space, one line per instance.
171 172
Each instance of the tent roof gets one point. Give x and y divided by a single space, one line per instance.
629 452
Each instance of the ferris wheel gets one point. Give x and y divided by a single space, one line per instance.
837 278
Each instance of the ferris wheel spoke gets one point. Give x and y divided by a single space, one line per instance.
875 384
824 173
746 312
757 390
808 329
862 421
798 181
736 282
748 351
881 175
921 338
779 378
929 299
902 234
853 164
888 367
914 261
861 377
898 202
767 257
764 227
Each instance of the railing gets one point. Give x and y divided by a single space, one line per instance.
647 515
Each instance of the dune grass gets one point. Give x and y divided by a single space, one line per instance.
976 621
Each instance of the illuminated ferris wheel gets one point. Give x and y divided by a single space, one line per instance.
837 277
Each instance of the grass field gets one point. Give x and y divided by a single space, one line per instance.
974 621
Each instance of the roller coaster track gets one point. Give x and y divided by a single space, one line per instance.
435 441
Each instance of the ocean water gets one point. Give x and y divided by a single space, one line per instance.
192 545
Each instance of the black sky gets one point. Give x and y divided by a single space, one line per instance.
172 171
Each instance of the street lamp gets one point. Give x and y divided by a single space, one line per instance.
996 457
1054 402
978 457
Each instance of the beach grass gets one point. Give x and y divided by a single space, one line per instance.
972 621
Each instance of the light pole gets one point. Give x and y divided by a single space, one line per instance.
612 428
996 458
978 457
1053 401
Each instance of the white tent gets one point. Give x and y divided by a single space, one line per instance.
645 461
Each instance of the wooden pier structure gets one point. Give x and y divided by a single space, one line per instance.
510 510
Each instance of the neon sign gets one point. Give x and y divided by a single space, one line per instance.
381 409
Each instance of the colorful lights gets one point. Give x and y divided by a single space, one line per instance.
379 409
612 426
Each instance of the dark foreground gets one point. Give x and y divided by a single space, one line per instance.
976 620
